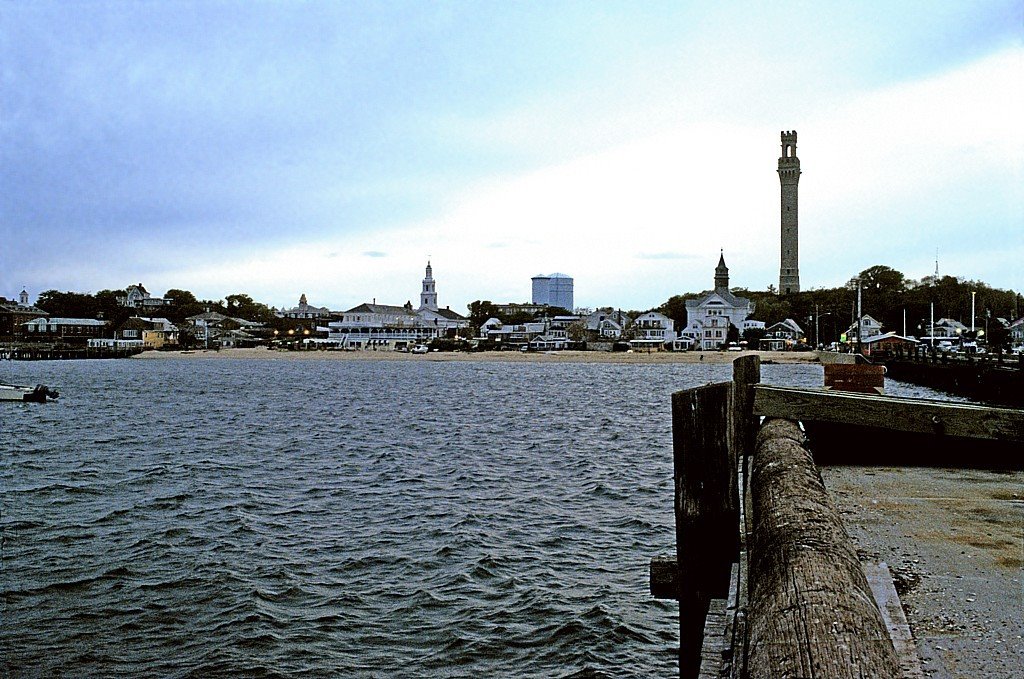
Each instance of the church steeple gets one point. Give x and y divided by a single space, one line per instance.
428 297
721 273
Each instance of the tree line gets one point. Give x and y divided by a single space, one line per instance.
886 295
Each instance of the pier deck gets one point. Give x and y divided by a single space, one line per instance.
770 582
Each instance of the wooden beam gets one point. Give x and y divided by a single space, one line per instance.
901 414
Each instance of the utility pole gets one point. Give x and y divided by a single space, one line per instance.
817 338
859 316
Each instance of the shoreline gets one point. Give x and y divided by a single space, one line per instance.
637 358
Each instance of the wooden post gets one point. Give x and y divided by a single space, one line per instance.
746 372
706 510
811 611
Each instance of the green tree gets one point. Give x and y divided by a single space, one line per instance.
577 331
480 312
243 306
732 334
68 304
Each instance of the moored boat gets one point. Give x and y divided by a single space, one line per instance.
37 394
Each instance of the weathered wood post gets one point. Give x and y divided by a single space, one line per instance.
811 611
746 372
706 510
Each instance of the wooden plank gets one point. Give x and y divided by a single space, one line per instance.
713 644
910 415
888 600
811 612
738 661
706 511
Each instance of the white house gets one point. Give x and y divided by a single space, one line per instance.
708 317
869 327
512 334
1017 332
653 330
304 310
781 336
137 296
606 323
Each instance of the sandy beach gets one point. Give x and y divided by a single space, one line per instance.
641 358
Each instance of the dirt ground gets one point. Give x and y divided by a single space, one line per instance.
954 540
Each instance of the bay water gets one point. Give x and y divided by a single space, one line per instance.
262 518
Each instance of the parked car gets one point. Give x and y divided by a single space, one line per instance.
419 349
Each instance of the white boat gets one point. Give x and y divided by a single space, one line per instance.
37 394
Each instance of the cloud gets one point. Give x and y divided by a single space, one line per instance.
375 253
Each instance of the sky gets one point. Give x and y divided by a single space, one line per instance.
332 148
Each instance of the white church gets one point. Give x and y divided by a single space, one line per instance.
386 326
709 316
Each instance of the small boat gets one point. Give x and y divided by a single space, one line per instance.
38 394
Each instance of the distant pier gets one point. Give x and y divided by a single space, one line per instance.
53 353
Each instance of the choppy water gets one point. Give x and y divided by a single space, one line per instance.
278 518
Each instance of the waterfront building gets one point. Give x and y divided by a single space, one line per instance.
372 325
68 330
304 310
789 179
606 324
512 334
653 330
154 333
781 336
14 315
215 328
138 297
709 316
553 290
887 343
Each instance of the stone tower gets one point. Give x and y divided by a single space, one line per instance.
428 298
789 177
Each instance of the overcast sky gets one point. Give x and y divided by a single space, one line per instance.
330 148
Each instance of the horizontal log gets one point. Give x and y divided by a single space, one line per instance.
811 611
900 414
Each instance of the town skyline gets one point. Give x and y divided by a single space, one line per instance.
332 151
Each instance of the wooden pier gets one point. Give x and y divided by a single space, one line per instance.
995 378
767 579
64 353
